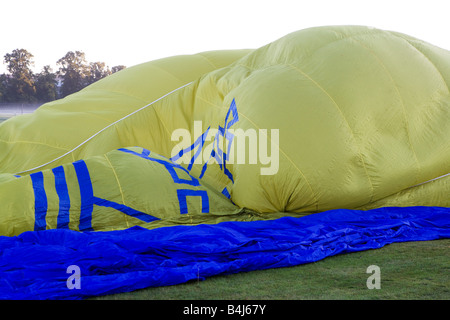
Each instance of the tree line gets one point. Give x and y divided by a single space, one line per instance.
20 84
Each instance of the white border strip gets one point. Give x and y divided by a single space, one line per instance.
97 133
445 175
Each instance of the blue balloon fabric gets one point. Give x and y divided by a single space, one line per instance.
39 264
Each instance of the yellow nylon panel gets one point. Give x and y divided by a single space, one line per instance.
323 118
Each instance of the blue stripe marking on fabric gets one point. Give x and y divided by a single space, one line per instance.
125 209
233 110
217 153
226 193
87 195
212 155
184 193
197 144
228 172
200 141
145 153
170 166
40 201
64 199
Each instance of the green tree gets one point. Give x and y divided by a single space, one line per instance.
20 86
74 72
45 83
97 71
3 83
117 68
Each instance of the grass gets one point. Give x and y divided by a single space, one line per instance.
409 271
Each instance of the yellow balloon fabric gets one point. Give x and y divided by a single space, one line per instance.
323 118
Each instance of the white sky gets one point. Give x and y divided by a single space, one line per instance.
133 31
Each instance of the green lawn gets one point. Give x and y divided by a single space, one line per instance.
408 271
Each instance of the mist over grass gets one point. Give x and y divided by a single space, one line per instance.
8 110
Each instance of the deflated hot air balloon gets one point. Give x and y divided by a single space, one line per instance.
325 118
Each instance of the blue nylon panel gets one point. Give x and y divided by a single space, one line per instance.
64 199
87 195
35 266
40 201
